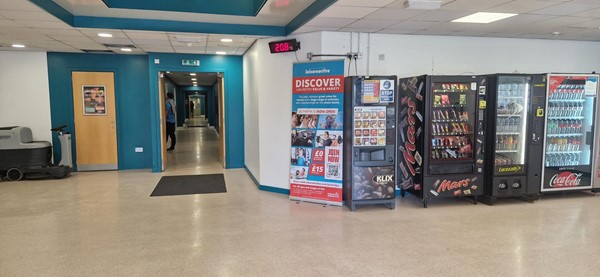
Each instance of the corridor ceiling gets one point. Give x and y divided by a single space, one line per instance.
73 25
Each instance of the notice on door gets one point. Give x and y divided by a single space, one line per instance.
94 100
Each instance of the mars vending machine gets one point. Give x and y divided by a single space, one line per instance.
369 168
515 120
570 133
440 136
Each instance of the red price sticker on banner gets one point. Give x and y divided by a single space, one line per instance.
317 170
318 156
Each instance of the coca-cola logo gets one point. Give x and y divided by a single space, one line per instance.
565 179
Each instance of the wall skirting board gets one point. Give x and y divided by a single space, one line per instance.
266 188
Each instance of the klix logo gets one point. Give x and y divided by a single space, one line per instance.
381 179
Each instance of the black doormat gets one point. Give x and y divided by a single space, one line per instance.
190 184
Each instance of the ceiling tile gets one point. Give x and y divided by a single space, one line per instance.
400 3
146 35
522 6
112 40
86 46
372 24
567 8
93 33
61 32
45 24
394 14
441 15
25 15
347 12
13 5
81 38
155 42
360 30
152 48
363 3
9 23
330 22
589 13
434 33
592 24
213 50
308 29
473 5
413 25
397 31
188 50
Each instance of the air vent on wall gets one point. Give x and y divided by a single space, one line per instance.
98 51
120 46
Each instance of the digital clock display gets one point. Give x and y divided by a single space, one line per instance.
283 46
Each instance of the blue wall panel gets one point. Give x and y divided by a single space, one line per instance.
231 66
132 100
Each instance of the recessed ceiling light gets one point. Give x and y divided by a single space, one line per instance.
195 85
126 49
105 35
168 72
556 33
423 4
194 79
226 40
221 53
483 17
192 74
18 46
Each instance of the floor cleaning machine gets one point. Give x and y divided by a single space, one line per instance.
21 157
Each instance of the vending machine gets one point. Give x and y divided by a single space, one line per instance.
369 168
440 137
514 149
570 133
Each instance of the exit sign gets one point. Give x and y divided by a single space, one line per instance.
190 62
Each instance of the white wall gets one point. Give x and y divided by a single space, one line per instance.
268 108
25 92
268 77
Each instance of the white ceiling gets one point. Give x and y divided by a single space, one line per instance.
574 19
184 78
24 22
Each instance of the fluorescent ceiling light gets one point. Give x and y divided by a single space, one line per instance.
226 40
192 74
195 85
483 17
18 46
423 4
221 53
194 79
126 49
105 35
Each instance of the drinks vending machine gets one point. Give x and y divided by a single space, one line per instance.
369 168
441 137
570 133
515 120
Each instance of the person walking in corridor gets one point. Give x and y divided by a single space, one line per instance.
170 112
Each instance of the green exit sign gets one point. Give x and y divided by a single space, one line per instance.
190 62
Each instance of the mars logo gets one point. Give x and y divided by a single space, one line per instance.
565 179
387 85
447 185
382 179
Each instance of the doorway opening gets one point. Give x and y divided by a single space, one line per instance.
198 118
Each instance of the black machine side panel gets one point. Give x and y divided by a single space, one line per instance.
24 158
410 111
536 139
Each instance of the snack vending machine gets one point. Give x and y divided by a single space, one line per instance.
369 168
440 137
515 120
570 133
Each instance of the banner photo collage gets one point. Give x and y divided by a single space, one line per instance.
317 132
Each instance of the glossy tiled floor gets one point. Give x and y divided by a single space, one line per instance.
104 224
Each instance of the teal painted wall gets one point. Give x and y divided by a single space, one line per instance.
231 66
132 100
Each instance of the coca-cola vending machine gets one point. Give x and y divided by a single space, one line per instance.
570 135
441 134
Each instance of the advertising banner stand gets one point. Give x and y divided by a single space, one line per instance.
317 132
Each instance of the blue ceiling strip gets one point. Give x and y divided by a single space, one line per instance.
309 13
55 9
177 26
224 7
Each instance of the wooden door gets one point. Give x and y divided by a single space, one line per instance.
95 121
222 134
163 122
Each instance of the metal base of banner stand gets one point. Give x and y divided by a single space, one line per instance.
390 203
312 201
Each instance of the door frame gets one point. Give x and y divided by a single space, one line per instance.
155 110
